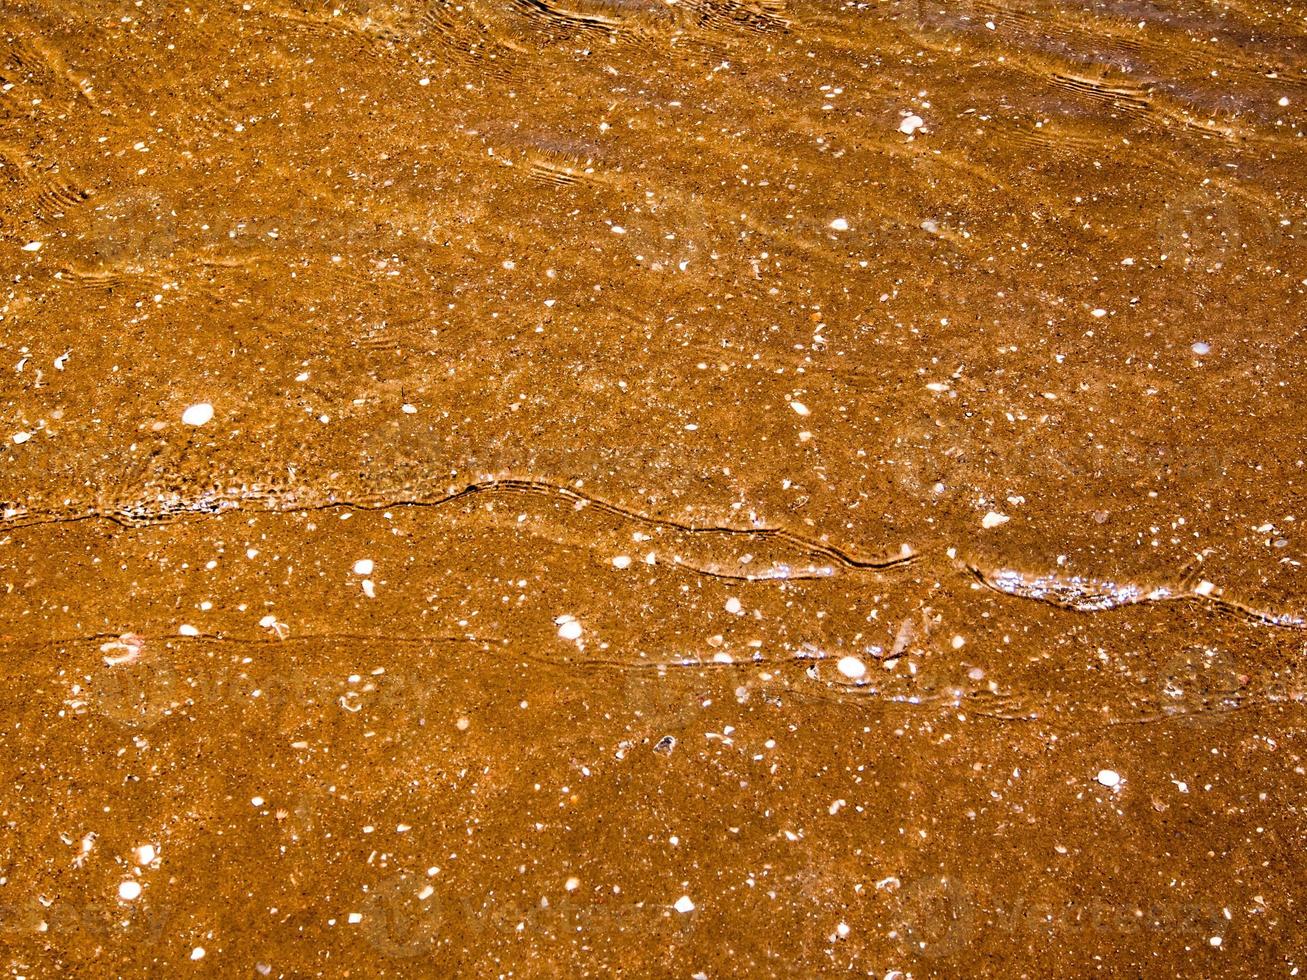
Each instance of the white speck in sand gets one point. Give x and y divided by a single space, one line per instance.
369 589
462 724
801 408
684 904
186 629
197 953
129 891
1214 941
911 124
734 606
145 854
32 247
409 409
622 561
355 918
1100 312
198 414
572 884
993 519
840 224
1109 778
851 667
364 566
568 628
842 930
1204 588
1201 349
21 437
959 642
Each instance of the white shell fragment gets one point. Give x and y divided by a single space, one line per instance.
568 628
198 414
851 667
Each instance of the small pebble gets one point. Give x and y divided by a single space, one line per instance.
569 629
911 124
364 566
840 224
993 519
129 891
1201 349
684 904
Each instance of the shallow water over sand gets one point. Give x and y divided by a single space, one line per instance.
688 488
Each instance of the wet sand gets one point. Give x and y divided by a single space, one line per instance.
698 489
